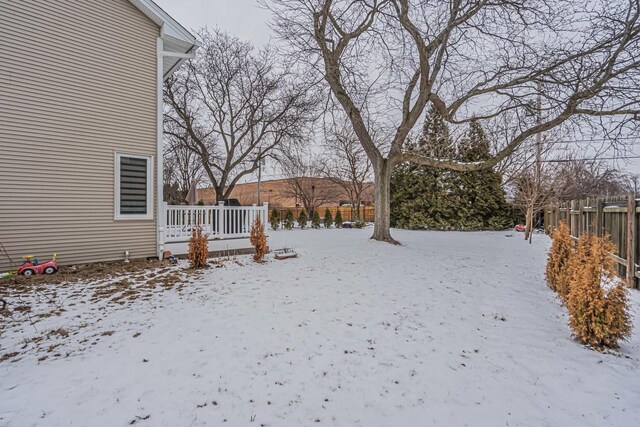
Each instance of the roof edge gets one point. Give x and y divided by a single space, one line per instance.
168 25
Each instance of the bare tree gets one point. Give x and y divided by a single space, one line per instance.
533 192
232 107
534 181
305 180
633 181
578 178
346 164
385 60
182 166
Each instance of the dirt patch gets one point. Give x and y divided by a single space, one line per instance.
8 356
90 291
17 285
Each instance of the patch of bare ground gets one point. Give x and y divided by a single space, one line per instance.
75 273
79 297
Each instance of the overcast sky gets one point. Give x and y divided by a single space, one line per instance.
243 18
248 21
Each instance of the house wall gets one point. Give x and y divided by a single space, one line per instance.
77 84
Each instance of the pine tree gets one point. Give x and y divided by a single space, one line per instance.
557 272
288 220
302 219
481 192
338 218
275 219
315 219
198 248
430 198
328 219
258 239
420 195
597 301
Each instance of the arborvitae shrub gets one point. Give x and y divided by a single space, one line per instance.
198 248
338 219
557 272
288 220
275 219
258 239
302 219
597 301
315 220
328 219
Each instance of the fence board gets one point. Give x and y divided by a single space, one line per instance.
615 216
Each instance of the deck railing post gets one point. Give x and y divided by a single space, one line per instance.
265 215
221 219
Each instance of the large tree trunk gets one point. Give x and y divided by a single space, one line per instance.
381 229
220 196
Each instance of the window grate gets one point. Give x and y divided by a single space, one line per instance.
133 185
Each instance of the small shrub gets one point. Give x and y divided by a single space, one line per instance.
358 224
597 301
198 248
302 219
557 272
274 219
258 240
315 219
338 219
288 220
328 219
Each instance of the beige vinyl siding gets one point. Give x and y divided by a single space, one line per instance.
77 85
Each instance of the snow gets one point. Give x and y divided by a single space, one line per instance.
447 329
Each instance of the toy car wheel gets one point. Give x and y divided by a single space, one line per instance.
49 270
28 272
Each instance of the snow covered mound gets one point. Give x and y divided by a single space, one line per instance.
448 329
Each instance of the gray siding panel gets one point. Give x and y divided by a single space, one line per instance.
77 85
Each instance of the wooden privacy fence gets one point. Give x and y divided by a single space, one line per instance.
367 213
616 216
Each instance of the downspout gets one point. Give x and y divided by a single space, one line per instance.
160 221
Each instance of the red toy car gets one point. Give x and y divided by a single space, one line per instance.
31 266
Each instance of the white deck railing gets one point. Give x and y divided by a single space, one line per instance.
218 221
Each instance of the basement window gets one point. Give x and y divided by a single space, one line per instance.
134 186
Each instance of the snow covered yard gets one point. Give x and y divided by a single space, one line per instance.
448 329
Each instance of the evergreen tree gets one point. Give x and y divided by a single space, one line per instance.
429 198
302 219
275 219
421 196
338 219
328 219
481 191
288 220
315 219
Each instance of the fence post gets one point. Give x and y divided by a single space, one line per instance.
632 240
570 210
221 219
580 219
599 216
